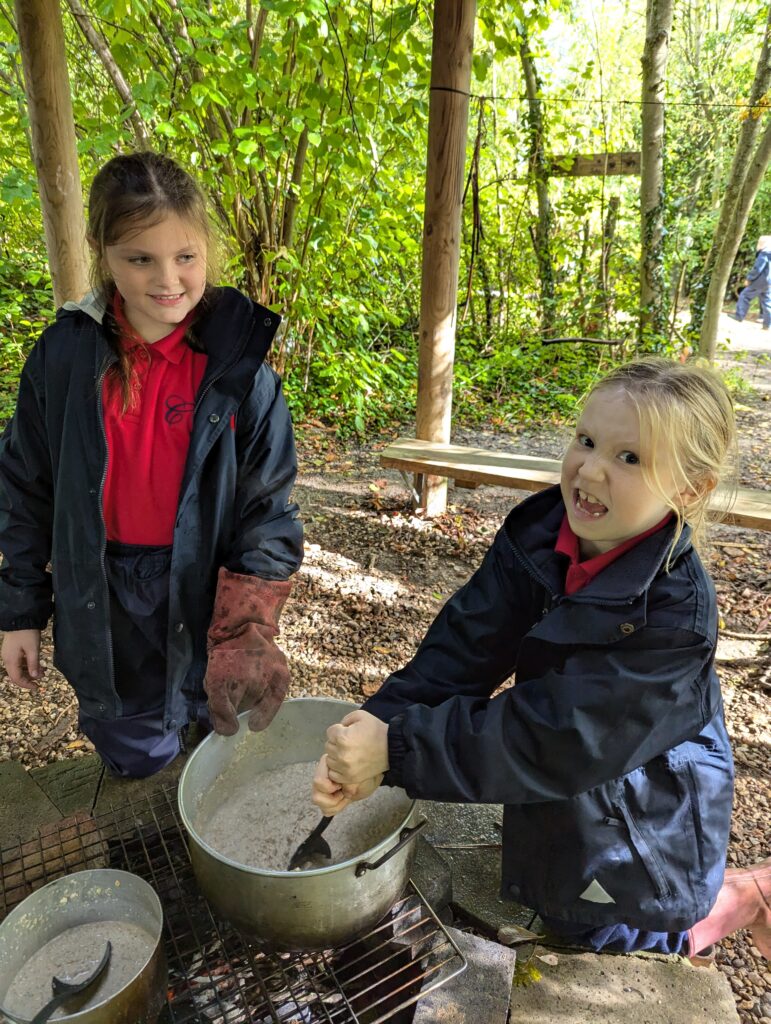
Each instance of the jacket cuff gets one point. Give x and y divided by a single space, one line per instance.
23 622
397 752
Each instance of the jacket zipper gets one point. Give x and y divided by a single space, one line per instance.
100 410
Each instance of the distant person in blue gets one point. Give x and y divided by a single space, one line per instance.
758 284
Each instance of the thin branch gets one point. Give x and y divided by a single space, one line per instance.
104 53
346 76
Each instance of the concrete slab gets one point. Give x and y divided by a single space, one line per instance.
467 837
431 874
72 785
456 824
480 994
604 989
24 807
115 792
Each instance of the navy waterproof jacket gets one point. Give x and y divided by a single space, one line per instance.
234 505
760 275
609 753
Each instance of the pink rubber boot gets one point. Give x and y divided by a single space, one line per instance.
744 901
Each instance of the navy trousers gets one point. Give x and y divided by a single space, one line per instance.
760 290
135 745
618 938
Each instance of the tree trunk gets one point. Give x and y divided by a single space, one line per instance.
653 323
54 148
707 297
447 127
742 208
539 171
293 189
603 273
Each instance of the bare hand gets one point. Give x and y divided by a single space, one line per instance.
331 797
357 749
21 656
328 796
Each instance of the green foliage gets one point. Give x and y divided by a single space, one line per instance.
306 122
519 382
375 387
25 298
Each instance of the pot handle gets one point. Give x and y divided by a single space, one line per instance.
405 836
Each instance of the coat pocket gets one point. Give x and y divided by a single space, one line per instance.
643 849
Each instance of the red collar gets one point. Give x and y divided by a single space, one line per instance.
580 573
172 347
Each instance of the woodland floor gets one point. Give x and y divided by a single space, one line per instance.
375 575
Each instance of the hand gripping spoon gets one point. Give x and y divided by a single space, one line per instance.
311 849
64 990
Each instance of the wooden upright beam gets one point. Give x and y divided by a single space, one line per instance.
451 55
54 147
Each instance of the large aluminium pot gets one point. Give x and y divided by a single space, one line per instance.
291 910
99 894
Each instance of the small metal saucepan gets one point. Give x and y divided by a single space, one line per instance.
292 910
83 898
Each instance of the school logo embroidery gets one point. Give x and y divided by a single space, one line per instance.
176 408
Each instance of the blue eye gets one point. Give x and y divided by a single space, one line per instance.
585 441
139 261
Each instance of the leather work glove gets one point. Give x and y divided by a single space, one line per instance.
246 669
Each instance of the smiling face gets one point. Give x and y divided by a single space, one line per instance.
160 271
606 495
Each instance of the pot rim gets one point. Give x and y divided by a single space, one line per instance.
249 869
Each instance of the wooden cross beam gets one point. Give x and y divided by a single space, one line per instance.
605 164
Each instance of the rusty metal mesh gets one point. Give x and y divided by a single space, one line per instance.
214 974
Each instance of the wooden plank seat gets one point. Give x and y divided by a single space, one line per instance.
470 467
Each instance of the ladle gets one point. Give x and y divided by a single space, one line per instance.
311 849
64 990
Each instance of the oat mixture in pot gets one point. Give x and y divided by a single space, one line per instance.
74 953
260 822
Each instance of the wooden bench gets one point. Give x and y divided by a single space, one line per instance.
470 467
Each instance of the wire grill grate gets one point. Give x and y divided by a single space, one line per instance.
214 974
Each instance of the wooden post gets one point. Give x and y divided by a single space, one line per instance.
447 127
54 149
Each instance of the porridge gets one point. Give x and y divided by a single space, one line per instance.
260 823
71 956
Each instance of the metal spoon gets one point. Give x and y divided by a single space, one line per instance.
311 848
64 990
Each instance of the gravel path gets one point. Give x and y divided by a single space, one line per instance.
375 575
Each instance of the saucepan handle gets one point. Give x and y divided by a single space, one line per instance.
405 836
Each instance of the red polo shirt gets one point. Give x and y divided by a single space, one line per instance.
580 573
147 445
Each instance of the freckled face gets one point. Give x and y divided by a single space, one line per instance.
605 494
161 273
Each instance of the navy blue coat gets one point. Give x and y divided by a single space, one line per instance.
760 274
610 753
234 505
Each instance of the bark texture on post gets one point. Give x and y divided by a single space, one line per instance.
654 72
54 148
447 127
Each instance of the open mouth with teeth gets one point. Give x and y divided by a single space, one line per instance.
588 504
